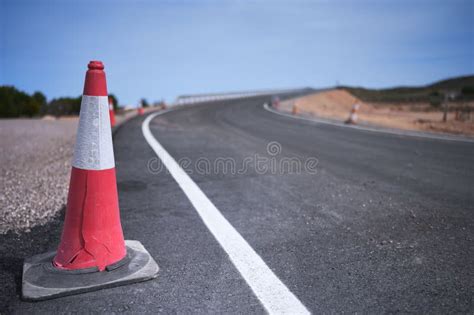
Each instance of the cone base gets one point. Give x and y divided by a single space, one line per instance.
41 281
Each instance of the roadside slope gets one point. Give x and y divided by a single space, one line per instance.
336 104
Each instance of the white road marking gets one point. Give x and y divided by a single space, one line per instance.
386 131
272 293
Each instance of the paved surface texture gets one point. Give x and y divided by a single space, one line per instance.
385 224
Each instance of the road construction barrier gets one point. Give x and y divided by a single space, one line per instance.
140 110
111 112
92 253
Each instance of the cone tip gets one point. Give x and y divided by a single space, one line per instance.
95 65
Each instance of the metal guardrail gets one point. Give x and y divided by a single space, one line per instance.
200 98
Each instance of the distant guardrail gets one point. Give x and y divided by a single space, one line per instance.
200 98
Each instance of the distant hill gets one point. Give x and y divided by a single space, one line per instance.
463 85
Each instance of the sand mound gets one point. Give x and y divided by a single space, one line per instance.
335 104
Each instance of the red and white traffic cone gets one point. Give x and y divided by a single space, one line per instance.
140 110
92 253
111 112
294 110
92 234
353 115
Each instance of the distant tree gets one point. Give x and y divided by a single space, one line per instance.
144 102
114 101
64 106
7 94
40 98
15 103
30 107
468 90
436 98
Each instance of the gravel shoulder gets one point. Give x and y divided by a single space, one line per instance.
35 163
35 166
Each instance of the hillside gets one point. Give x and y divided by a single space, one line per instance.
403 94
336 105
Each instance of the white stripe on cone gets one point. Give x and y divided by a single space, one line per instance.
94 150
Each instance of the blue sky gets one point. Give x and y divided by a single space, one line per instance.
160 49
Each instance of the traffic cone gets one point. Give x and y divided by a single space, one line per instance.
92 234
140 110
92 253
294 111
353 115
111 112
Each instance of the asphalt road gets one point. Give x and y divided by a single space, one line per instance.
382 223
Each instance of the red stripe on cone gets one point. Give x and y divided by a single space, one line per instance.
95 84
92 234
111 112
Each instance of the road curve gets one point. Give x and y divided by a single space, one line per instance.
372 223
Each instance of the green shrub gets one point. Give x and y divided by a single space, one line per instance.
15 103
436 98
468 90
64 106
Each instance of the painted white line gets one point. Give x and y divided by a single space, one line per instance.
272 293
386 131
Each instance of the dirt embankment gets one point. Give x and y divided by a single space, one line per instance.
337 104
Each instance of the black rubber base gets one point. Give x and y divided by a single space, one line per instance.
41 281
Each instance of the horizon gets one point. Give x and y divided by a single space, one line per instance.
190 47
